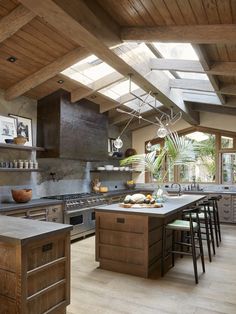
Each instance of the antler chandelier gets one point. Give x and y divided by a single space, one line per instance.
163 120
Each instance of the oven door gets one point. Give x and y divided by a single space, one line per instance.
82 220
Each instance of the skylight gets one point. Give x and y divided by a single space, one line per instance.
176 51
88 70
198 136
135 104
117 90
191 75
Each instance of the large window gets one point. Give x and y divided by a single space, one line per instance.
215 158
204 169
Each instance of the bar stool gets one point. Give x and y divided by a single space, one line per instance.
215 217
206 223
194 230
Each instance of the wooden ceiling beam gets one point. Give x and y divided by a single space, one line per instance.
202 86
198 34
66 19
206 64
12 22
97 85
211 108
191 84
45 73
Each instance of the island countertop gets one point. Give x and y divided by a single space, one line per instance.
172 205
18 230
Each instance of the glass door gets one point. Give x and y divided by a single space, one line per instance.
228 168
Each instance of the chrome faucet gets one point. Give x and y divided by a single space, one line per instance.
179 191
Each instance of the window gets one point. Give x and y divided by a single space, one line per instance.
204 169
227 142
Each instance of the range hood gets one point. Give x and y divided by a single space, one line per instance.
71 130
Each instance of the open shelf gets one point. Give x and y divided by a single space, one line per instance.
117 171
17 170
21 147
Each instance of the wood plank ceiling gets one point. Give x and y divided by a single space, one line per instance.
42 48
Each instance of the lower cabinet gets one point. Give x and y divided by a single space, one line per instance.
44 213
35 276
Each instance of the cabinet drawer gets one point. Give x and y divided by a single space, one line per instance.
8 257
125 255
7 306
45 251
8 284
55 214
122 239
119 222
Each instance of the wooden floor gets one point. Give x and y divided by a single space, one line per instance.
99 291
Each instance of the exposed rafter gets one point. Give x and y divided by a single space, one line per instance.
198 34
212 108
12 22
45 73
206 64
96 86
191 84
67 20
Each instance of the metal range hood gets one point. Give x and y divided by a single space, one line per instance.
71 130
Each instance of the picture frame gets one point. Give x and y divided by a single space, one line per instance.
23 127
7 128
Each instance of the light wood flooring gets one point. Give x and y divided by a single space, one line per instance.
96 291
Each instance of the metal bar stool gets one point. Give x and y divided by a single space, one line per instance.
215 217
194 230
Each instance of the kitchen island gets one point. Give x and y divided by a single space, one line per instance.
34 266
129 240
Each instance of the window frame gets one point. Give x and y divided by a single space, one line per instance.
219 151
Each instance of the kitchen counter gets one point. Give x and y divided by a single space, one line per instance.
172 205
129 240
18 230
31 204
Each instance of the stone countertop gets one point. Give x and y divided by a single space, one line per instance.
31 204
18 230
172 205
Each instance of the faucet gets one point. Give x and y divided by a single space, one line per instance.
179 191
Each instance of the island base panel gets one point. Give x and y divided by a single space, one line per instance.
131 244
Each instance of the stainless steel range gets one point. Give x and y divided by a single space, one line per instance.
79 211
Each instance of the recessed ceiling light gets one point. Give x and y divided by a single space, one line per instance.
60 82
12 59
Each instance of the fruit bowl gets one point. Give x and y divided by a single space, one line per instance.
130 185
22 196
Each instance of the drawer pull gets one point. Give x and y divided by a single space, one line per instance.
47 247
120 220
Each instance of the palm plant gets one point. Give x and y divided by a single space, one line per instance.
176 151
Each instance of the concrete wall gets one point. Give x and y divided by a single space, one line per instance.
71 176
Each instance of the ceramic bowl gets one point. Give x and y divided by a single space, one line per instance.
109 167
20 140
22 196
9 141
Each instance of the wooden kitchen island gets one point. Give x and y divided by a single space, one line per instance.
34 266
129 240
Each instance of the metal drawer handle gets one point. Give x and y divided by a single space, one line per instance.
47 247
120 220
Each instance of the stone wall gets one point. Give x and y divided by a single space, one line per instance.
70 176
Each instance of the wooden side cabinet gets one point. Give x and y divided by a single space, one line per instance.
35 271
53 213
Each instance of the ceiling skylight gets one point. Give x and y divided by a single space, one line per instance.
119 89
137 105
198 136
176 51
191 75
88 70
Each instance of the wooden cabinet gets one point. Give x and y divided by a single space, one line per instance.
34 270
129 243
43 213
225 208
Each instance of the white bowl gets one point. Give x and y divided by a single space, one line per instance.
116 168
100 168
122 168
109 167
